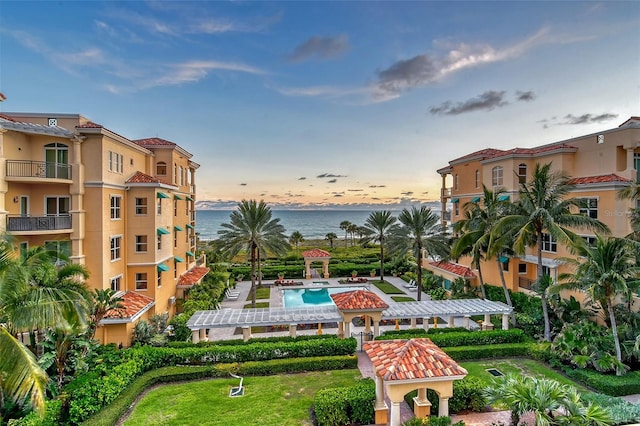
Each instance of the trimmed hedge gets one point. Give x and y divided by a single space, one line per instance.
505 350
606 383
346 405
236 342
462 338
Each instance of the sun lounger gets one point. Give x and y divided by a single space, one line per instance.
232 295
410 284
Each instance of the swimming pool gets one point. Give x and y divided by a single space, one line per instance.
299 297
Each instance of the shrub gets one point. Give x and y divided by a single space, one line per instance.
346 405
461 338
505 350
607 383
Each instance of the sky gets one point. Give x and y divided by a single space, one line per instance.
340 104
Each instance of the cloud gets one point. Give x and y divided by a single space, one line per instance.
377 186
355 190
407 193
571 119
426 69
320 47
329 175
487 101
332 181
302 178
243 184
193 71
338 195
525 96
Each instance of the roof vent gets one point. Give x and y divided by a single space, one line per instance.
600 139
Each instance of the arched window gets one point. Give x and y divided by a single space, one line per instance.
522 173
496 176
161 168
456 182
477 178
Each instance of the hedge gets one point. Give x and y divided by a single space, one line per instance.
346 405
236 342
606 383
462 338
505 350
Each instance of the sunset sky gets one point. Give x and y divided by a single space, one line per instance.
326 103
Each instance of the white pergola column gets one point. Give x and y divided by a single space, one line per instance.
347 329
487 322
450 322
505 321
443 407
210 334
425 323
292 330
466 322
376 328
394 415
414 323
203 334
379 393
195 336
246 333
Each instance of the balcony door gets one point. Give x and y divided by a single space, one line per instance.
57 206
56 156
24 206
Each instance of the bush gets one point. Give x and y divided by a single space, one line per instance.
460 338
505 350
346 405
607 383
621 411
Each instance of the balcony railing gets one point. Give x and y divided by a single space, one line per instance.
526 283
38 169
446 192
38 223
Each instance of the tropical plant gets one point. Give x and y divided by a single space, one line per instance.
352 229
295 239
344 225
543 208
605 270
377 228
632 192
419 231
252 228
331 237
103 300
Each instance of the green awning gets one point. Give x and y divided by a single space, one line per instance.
190 226
475 199
503 198
178 259
162 195
190 253
162 231
504 259
189 198
455 200
177 197
178 228
162 267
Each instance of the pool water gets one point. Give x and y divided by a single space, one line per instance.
300 297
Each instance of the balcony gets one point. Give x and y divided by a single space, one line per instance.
445 193
38 223
37 170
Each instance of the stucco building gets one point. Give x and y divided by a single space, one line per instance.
599 164
123 208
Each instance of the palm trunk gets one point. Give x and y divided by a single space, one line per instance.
614 330
482 291
507 296
253 275
543 297
419 273
381 260
259 269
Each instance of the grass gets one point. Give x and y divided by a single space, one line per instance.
403 299
387 288
282 400
261 293
258 305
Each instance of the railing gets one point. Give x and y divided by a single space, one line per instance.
38 223
38 169
445 192
526 283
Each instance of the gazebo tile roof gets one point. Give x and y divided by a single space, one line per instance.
316 252
358 300
411 359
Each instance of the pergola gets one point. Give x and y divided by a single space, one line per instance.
316 255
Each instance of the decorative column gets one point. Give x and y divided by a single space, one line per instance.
421 404
395 414
466 322
292 330
450 322
203 334
380 408
307 267
487 325
414 323
376 328
210 334
325 269
505 321
425 323
77 191
341 329
195 336
367 324
246 333
443 408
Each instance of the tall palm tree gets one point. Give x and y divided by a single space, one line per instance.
606 270
103 301
543 207
252 228
344 225
352 229
296 238
331 236
632 192
377 228
419 230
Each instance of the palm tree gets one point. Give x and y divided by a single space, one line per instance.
331 236
344 225
352 229
632 192
376 228
252 228
419 230
605 270
296 238
543 207
103 301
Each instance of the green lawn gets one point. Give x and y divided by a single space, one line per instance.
386 287
261 293
282 400
258 305
403 299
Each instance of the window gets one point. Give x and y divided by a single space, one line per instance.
141 243
159 280
24 248
175 207
159 206
522 173
141 281
590 240
505 265
141 206
456 209
175 173
57 206
496 176
161 168
62 248
159 242
549 244
477 178
589 208
116 243
116 202
636 164
116 162
522 268
56 157
456 182
116 283
175 269
175 239
181 175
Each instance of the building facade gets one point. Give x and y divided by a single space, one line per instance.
123 208
599 165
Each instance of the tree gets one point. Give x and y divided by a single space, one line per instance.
377 228
605 271
344 225
331 236
103 300
632 192
352 229
296 238
252 228
544 209
419 230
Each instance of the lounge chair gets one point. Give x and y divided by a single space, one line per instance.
232 295
410 284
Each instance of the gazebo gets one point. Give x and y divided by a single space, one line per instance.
316 255
352 304
405 365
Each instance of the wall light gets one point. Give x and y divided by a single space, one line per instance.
15 199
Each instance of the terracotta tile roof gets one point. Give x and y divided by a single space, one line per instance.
151 142
454 268
316 252
90 125
6 117
132 304
192 276
140 177
411 359
532 151
358 300
483 153
598 179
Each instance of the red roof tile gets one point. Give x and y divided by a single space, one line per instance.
140 177
153 142
358 300
598 179
6 117
411 359
316 252
132 304
192 276
89 125
483 153
454 268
